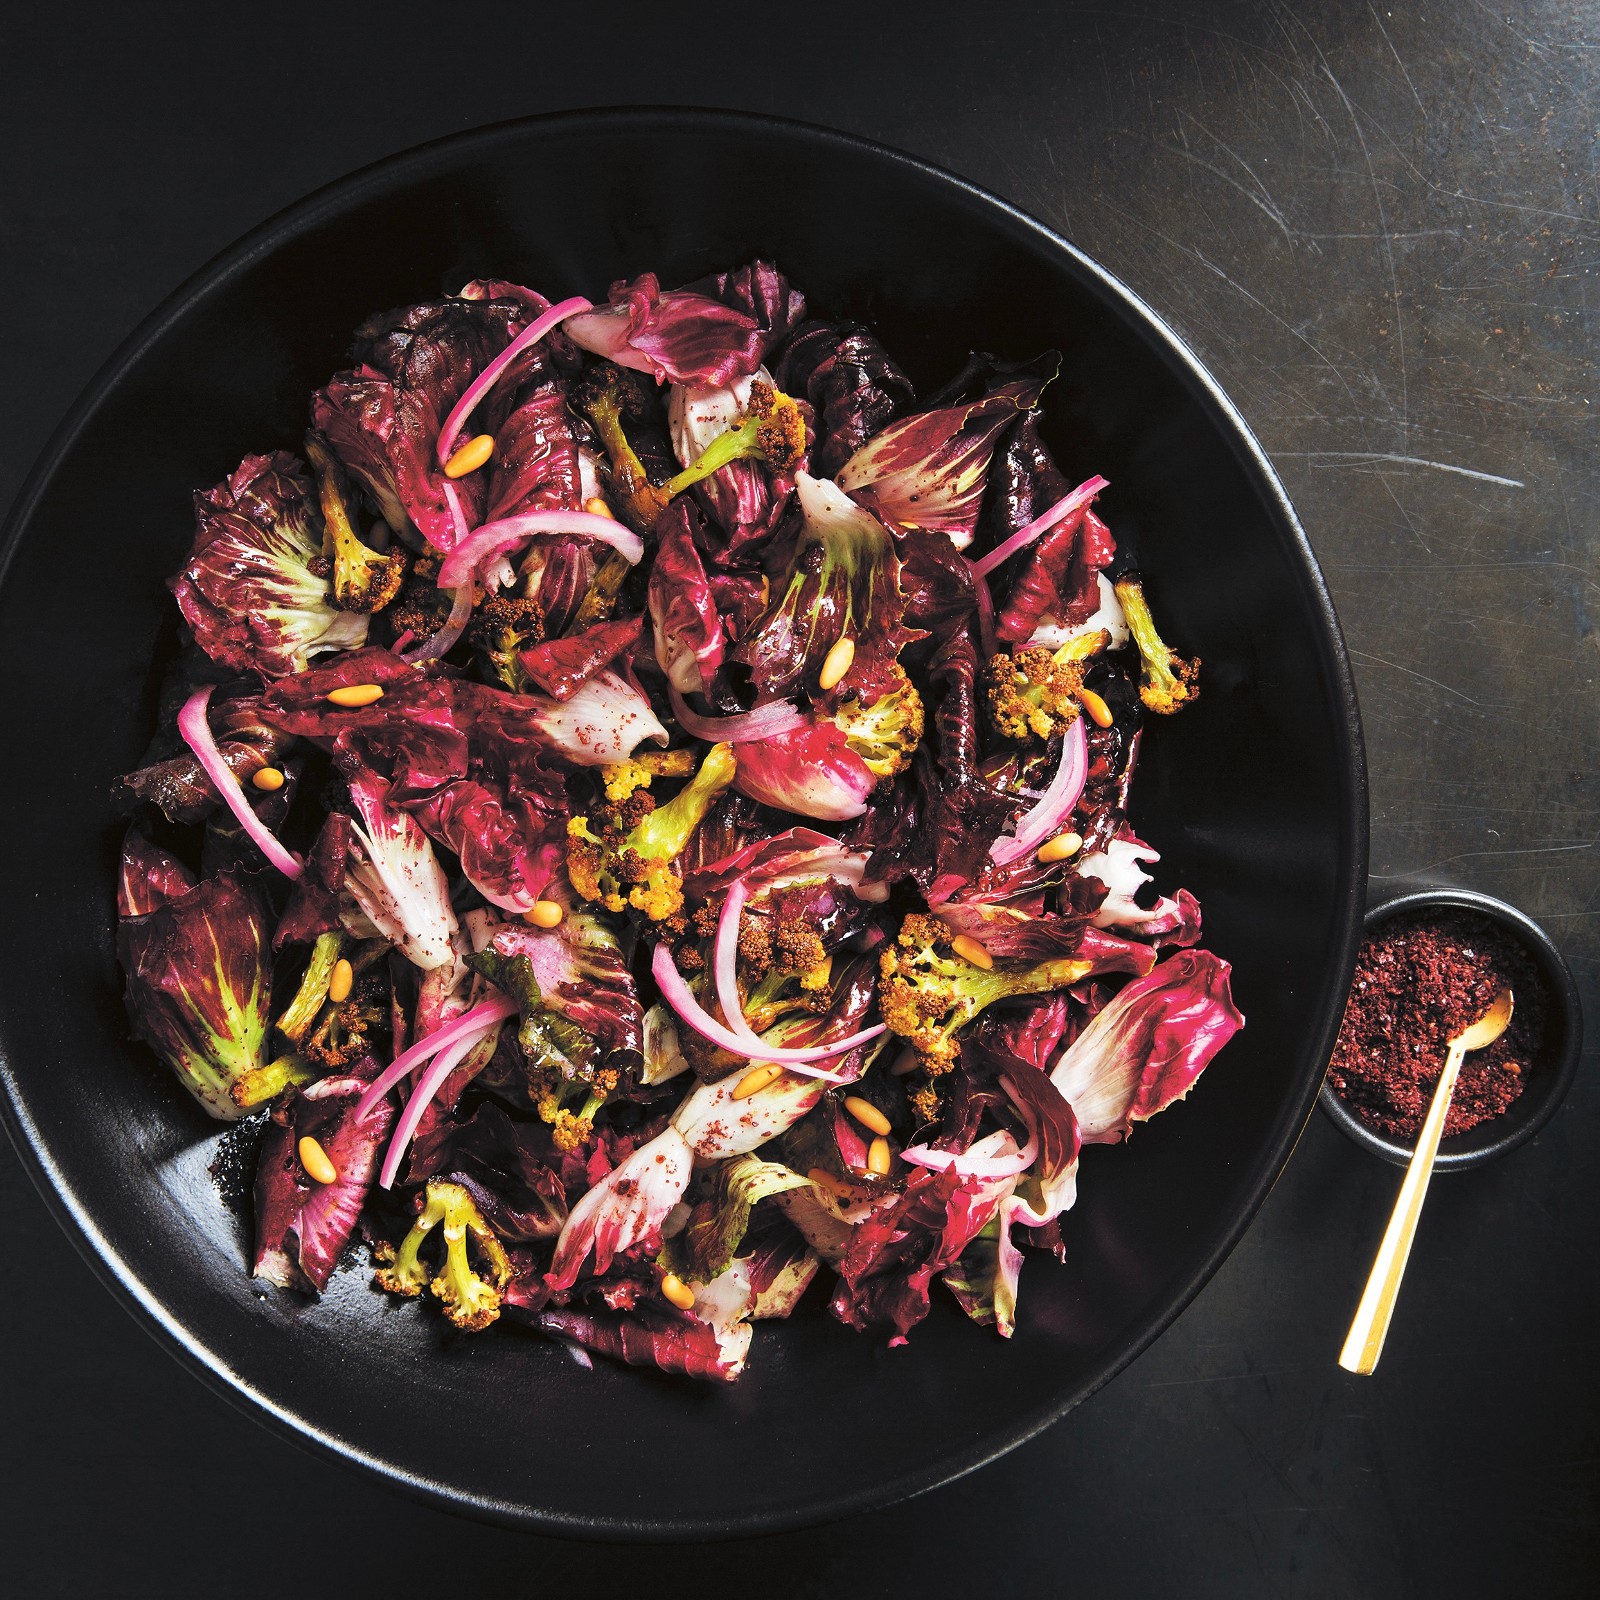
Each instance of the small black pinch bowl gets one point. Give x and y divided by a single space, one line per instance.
1550 1075
1256 798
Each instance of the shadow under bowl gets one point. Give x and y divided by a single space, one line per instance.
1549 1078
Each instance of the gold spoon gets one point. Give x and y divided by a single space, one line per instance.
1364 1343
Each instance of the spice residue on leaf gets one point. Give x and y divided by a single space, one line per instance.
1420 981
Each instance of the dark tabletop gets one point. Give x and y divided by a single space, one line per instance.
1379 229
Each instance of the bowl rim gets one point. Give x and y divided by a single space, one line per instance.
1351 846
1463 1151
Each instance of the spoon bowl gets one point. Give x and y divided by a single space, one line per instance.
1488 1027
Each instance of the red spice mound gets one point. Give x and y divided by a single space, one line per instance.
1420 981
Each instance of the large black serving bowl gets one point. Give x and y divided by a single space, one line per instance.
1256 797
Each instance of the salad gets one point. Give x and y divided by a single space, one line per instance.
640 821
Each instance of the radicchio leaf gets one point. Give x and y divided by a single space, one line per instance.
843 582
675 335
625 1208
580 972
646 1337
302 1226
718 1223
199 982
688 634
1057 581
382 417
894 1254
811 771
248 590
1148 1046
853 386
929 471
149 878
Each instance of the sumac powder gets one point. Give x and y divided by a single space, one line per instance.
1421 980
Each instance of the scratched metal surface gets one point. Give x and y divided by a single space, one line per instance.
1379 227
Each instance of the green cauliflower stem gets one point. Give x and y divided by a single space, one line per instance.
928 993
1168 681
471 1298
628 861
362 579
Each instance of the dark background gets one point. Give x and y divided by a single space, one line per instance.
1379 228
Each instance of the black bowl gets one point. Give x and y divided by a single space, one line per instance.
1548 1079
1257 796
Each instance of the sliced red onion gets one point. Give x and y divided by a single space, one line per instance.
489 540
428 1085
677 994
196 733
968 1165
725 961
485 381
765 722
1023 537
469 1023
1043 821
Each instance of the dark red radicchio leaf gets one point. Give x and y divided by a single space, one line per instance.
1056 577
675 335
511 843
1048 1116
940 818
562 666
763 294
648 1336
248 590
509 1167
382 418
178 785
303 1226
895 1253
148 878
313 906
199 978
689 641
843 582
535 464
853 386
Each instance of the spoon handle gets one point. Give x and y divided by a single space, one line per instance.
1364 1343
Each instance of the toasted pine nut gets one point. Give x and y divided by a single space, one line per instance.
826 1180
315 1160
356 694
677 1291
1099 711
836 663
470 456
867 1114
342 981
545 914
596 506
1060 848
267 779
879 1158
969 949
756 1079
